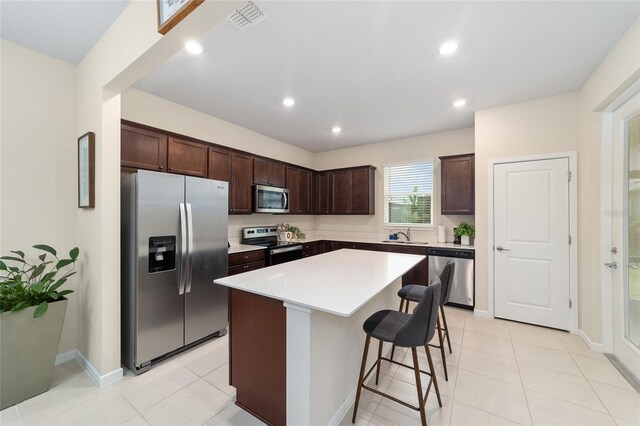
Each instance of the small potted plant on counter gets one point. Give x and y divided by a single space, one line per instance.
465 231
296 233
32 309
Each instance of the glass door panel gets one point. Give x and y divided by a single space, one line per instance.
631 294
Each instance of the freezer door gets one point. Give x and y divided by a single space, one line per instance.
159 305
206 302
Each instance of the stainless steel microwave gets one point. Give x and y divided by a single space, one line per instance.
270 199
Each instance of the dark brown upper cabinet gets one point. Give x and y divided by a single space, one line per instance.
240 185
219 164
323 192
300 190
268 172
457 182
187 158
142 149
352 191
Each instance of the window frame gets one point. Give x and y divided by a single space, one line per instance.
393 225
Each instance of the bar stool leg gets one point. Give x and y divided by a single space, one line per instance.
379 358
444 360
433 373
361 378
416 370
446 328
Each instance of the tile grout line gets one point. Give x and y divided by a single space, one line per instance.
480 374
590 385
455 387
524 390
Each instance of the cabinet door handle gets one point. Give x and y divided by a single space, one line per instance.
160 167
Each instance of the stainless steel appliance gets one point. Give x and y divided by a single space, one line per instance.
270 199
174 244
277 251
463 286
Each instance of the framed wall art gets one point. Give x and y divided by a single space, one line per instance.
171 12
87 170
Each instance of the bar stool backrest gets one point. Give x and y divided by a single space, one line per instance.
446 278
420 327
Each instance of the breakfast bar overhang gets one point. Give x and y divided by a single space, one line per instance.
296 332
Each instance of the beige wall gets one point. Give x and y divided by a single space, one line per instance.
569 122
416 148
540 126
38 159
145 108
619 69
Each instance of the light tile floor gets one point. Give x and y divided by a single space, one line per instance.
500 373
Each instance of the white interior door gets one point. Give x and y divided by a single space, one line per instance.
531 242
625 261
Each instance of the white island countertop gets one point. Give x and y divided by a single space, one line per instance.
339 282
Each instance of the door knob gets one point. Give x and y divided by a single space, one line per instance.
500 248
612 265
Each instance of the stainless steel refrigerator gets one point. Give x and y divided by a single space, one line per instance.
174 244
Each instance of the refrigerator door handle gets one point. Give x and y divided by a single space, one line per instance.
190 247
183 248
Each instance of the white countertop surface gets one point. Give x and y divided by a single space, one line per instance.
339 282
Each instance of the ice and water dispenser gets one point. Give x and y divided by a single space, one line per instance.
162 253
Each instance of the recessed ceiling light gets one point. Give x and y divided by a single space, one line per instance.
448 47
288 102
459 103
193 47
336 129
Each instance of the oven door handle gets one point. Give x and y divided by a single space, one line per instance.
285 249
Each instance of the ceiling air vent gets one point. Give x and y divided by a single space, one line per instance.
247 16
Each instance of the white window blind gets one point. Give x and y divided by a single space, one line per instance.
408 193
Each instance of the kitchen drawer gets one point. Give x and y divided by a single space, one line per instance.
246 267
236 259
308 253
308 246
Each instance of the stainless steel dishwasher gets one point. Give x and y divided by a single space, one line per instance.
463 286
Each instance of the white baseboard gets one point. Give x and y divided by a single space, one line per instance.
99 380
344 409
65 357
595 347
481 314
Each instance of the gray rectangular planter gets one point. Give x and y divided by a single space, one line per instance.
28 349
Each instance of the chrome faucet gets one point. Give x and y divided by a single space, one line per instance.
407 235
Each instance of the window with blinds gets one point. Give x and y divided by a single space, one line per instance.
408 194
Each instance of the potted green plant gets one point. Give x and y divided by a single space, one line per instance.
296 233
465 231
32 309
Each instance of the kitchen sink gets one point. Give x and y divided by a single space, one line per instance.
405 242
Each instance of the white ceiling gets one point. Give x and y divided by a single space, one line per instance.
370 67
373 68
64 29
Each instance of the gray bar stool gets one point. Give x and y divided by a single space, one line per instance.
408 331
413 293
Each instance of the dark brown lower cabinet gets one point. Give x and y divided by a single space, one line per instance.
258 355
246 261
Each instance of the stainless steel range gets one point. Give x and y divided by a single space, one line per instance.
277 251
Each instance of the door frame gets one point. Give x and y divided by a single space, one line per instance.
572 156
606 205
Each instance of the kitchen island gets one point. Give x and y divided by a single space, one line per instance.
296 336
